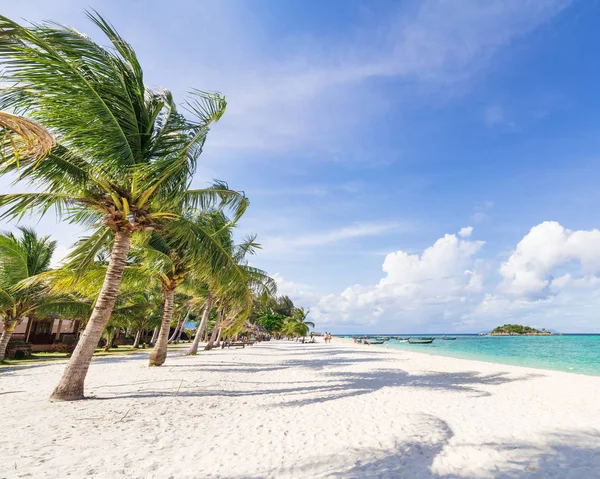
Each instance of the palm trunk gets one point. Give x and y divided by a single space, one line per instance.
211 341
205 315
175 331
71 384
154 336
5 338
178 337
219 338
159 353
109 341
136 341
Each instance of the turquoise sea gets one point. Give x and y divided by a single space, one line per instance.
572 353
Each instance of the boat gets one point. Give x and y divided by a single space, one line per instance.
372 342
420 341
446 338
427 338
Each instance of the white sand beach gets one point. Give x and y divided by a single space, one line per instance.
283 409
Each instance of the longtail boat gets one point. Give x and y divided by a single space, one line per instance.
420 341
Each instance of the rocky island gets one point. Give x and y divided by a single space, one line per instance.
519 330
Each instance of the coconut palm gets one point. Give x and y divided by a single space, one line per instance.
21 259
172 259
296 325
232 289
178 254
137 309
299 315
124 155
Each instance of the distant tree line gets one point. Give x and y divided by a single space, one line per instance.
279 316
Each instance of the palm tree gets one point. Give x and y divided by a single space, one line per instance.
124 155
178 253
297 325
20 259
136 308
232 287
299 315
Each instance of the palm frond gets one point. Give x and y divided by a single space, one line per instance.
23 138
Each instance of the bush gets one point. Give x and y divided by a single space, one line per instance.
63 348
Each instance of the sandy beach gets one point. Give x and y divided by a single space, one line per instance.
283 409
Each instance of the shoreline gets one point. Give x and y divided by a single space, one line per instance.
484 358
283 409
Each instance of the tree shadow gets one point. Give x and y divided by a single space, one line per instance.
357 384
245 367
408 459
339 385
562 455
565 454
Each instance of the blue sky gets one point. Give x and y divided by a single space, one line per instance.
368 134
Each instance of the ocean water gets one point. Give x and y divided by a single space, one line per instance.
571 353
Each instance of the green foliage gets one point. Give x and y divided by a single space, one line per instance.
283 305
272 322
125 160
22 260
515 329
123 163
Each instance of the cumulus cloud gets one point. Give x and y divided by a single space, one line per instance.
552 279
530 269
416 288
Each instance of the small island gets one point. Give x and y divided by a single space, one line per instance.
519 330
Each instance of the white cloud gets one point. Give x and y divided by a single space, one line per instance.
303 294
276 100
279 244
416 289
548 246
465 232
450 287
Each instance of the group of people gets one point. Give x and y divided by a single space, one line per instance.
327 338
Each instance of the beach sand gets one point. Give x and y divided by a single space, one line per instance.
284 409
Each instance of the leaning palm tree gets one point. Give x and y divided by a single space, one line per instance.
124 156
178 254
230 288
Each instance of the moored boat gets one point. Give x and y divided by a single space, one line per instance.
446 338
420 341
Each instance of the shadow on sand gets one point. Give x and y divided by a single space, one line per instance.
332 386
564 455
